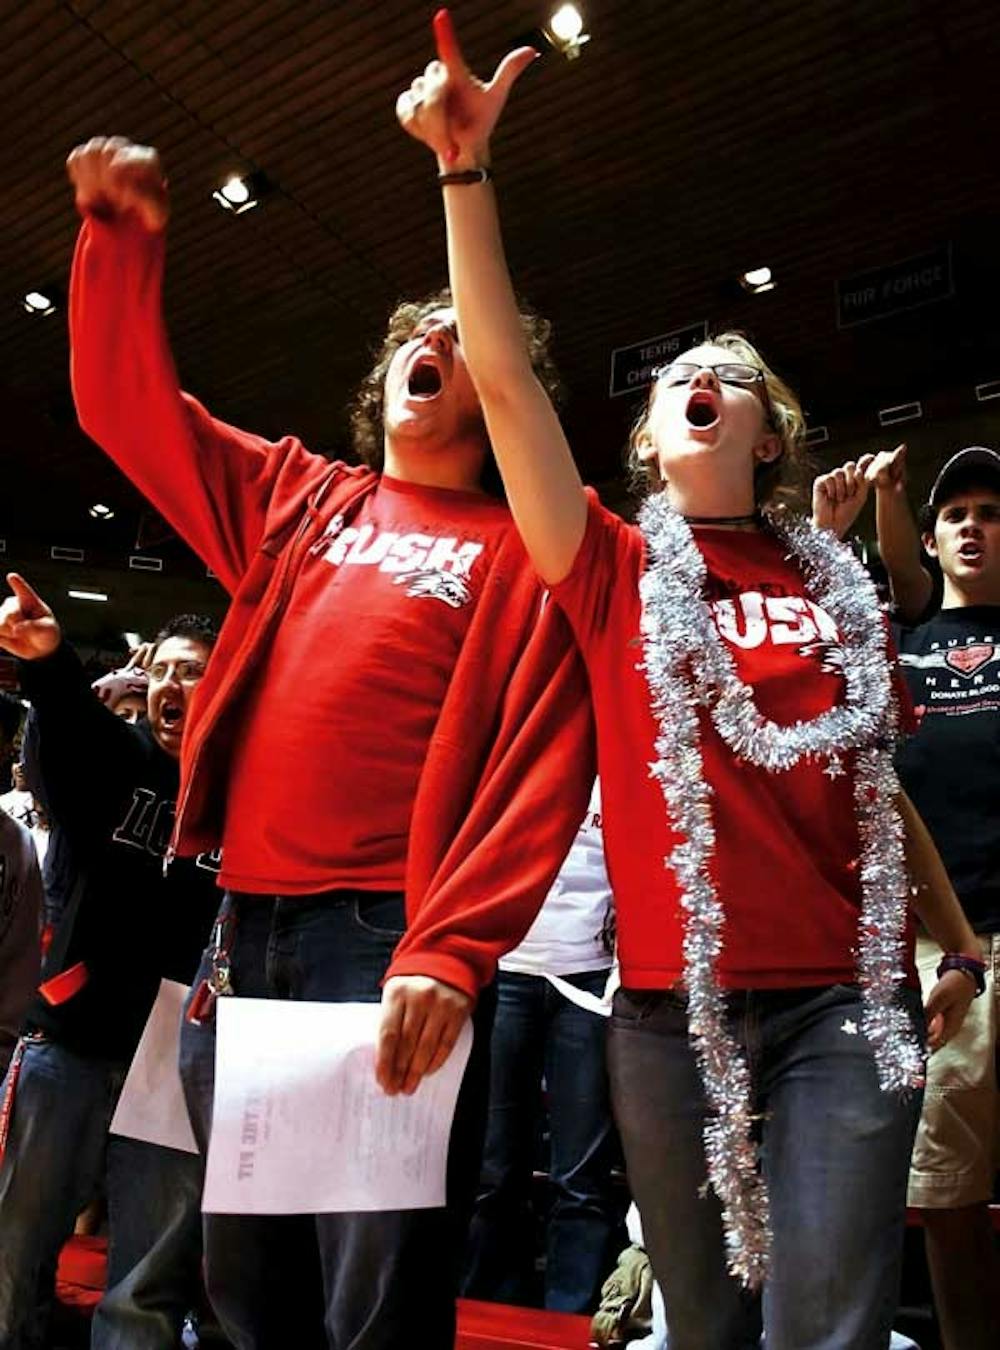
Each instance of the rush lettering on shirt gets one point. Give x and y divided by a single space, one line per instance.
366 545
752 618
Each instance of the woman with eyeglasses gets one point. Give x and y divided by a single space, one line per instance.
765 1048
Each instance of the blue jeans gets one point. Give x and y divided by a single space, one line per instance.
56 1152
372 1281
835 1152
540 1033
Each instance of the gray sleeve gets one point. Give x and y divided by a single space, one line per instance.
20 927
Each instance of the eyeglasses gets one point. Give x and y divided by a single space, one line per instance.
739 373
730 372
187 672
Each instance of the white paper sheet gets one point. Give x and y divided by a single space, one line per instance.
151 1106
300 1125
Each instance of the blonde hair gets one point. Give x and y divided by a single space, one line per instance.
780 479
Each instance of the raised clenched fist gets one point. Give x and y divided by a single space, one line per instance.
839 495
111 177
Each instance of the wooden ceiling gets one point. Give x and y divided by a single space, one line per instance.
687 144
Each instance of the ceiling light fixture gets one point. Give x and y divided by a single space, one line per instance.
87 595
757 280
565 31
132 640
39 304
242 192
101 512
901 412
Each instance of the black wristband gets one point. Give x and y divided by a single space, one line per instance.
463 177
969 965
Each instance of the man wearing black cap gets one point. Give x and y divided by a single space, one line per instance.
951 770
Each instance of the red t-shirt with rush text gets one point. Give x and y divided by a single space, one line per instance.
787 843
328 759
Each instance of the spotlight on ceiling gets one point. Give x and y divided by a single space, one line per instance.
757 280
39 303
87 595
565 31
101 512
132 640
242 192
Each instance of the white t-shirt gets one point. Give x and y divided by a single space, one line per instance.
20 806
571 933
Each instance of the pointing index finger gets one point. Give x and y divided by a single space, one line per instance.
446 41
31 602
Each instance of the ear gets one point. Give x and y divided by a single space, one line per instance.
768 450
645 447
930 546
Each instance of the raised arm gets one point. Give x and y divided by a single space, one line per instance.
78 742
454 114
211 481
898 537
839 495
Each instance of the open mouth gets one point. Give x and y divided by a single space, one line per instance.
424 380
702 410
171 715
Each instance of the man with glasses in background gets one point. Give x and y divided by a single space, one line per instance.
112 788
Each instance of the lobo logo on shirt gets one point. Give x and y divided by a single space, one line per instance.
148 825
424 564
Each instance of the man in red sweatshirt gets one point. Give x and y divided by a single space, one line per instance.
388 639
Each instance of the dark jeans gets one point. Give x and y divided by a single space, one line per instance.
374 1281
539 1033
835 1151
58 1147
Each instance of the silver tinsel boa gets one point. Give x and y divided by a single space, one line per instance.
687 666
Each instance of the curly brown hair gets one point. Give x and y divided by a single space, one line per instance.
366 408
781 481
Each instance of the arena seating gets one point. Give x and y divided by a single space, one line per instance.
481 1326
494 1326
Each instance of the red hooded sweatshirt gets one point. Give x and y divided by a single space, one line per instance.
509 765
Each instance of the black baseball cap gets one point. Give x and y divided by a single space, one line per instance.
973 461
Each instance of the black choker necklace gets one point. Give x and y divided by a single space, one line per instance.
753 518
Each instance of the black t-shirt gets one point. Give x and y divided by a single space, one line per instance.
950 767
111 789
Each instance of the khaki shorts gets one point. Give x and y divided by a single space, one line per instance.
957 1149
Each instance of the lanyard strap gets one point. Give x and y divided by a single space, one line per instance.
218 982
10 1088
